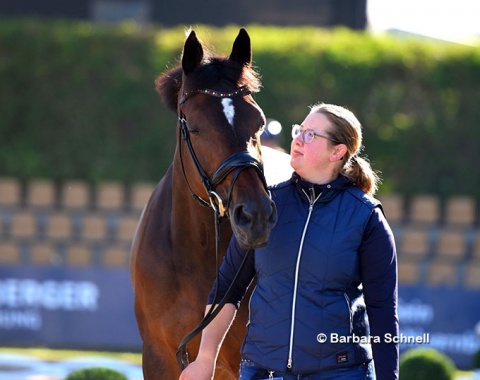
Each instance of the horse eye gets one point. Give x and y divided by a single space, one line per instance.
195 132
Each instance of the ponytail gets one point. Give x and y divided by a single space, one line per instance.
359 171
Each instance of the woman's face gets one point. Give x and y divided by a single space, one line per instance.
316 161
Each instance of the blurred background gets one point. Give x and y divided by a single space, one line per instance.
84 138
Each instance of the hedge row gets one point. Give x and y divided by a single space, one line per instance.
77 100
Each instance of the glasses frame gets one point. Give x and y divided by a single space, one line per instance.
303 132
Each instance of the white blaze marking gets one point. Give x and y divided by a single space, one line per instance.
228 110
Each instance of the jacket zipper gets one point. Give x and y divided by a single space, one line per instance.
312 201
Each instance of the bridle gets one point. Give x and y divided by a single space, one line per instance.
237 162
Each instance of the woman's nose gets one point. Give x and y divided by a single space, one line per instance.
298 139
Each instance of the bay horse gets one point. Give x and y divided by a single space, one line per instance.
216 167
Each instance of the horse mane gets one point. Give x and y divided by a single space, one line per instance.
213 70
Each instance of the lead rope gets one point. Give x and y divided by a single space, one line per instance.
182 353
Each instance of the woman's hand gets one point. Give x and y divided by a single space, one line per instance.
198 370
203 367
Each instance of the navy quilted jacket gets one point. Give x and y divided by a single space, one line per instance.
329 263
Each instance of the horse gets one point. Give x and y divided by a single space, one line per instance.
216 175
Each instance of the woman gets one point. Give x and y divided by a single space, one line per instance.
325 301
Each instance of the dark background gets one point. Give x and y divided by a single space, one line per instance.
350 13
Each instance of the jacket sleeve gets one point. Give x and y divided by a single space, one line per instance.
378 265
229 268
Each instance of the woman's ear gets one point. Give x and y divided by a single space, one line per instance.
339 151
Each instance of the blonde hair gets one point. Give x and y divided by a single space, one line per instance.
347 130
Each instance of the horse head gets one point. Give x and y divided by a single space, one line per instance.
218 145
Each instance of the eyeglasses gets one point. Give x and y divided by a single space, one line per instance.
308 135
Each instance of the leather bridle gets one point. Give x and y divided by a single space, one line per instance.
237 162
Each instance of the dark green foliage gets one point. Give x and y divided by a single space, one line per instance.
96 373
476 360
426 364
78 101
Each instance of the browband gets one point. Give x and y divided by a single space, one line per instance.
218 94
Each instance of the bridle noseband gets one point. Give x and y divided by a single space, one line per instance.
239 160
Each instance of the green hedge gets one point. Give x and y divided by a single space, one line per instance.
96 373
77 100
476 360
426 364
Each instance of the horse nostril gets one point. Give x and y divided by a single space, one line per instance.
241 217
246 216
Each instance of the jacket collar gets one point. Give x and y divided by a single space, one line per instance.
328 190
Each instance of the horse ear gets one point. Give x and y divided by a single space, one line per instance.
242 49
192 53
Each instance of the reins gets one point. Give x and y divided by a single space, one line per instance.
238 161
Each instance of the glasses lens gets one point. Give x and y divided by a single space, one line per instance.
295 130
308 136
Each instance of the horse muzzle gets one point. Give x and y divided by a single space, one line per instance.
252 221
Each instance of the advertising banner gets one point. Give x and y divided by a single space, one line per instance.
64 307
93 308
444 318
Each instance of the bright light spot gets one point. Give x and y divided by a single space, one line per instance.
274 127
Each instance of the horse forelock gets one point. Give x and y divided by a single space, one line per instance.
218 69
168 84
